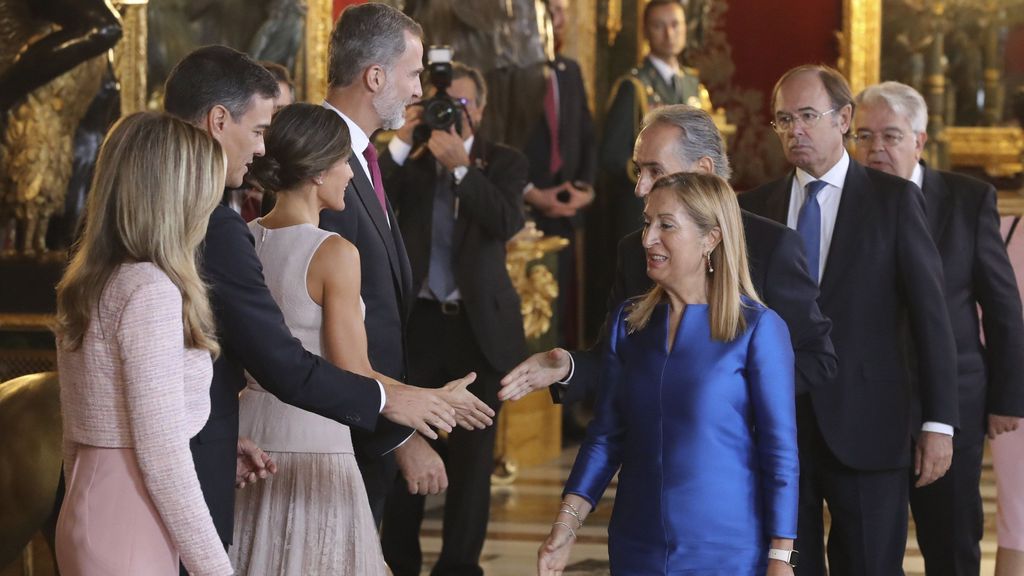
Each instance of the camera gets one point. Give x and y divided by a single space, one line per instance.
441 111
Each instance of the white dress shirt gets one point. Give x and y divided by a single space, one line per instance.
828 199
667 71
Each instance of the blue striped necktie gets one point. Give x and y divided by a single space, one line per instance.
808 225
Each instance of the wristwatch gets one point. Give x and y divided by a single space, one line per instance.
787 556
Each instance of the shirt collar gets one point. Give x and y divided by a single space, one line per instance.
835 177
665 70
917 177
359 138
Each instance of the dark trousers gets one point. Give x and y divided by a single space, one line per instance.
441 348
948 513
378 474
868 509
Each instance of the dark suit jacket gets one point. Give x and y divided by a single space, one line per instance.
964 223
778 269
254 337
385 289
883 277
575 133
489 214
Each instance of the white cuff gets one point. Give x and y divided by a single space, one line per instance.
572 370
383 396
937 427
459 173
400 444
399 150
526 189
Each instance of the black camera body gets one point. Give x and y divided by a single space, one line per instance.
441 111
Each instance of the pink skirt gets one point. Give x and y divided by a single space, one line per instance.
108 525
1008 459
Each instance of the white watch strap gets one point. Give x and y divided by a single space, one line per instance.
777 554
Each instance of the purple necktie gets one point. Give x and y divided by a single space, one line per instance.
370 153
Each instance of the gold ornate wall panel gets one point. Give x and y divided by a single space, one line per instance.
319 22
860 42
130 56
581 43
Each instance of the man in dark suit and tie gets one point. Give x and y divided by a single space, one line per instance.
684 139
375 61
230 96
880 276
891 129
563 161
458 199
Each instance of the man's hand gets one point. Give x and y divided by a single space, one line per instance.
413 116
545 200
418 408
999 424
932 457
471 412
251 463
448 149
421 467
536 372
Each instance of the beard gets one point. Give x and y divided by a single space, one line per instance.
390 108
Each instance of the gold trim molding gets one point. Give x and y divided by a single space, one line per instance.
996 150
130 56
860 43
319 23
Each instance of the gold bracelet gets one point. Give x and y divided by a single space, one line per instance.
567 527
569 511
577 512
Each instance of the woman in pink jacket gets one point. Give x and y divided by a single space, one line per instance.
134 343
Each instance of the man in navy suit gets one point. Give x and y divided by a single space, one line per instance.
891 129
868 246
374 70
231 97
681 138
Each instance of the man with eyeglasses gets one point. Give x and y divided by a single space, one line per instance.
891 122
880 278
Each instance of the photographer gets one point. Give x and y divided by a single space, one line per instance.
458 201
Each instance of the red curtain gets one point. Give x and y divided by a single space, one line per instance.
340 5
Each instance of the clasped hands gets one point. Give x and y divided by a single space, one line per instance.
545 200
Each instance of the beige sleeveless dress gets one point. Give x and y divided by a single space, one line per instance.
313 516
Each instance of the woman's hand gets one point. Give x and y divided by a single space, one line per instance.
553 554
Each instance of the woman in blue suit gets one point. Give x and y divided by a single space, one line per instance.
696 413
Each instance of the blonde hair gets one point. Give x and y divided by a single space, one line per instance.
157 180
710 203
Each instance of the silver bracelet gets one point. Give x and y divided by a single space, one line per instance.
567 527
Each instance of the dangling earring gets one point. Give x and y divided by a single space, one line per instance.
707 256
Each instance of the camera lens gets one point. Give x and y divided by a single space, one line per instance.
440 114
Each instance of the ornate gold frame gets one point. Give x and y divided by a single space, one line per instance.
996 150
319 23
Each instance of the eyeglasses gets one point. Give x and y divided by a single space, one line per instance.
889 137
806 119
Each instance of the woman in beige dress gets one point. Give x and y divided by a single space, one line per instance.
313 516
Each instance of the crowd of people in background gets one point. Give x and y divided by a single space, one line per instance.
277 337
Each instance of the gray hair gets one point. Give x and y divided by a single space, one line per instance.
901 99
700 136
365 35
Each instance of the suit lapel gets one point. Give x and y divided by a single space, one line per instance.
776 204
368 197
937 205
846 234
477 158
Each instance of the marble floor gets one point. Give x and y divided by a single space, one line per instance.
522 512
